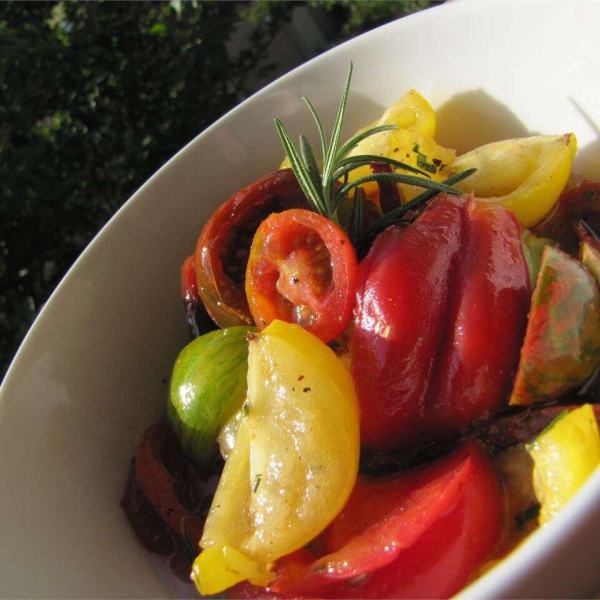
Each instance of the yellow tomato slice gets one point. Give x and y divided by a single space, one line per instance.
564 456
293 463
411 112
421 152
525 175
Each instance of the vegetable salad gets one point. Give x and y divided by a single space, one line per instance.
392 376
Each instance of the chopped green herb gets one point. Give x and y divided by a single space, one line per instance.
257 481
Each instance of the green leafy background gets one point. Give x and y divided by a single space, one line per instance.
96 96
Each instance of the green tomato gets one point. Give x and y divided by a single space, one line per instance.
561 349
208 386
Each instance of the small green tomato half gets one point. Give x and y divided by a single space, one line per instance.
561 349
208 386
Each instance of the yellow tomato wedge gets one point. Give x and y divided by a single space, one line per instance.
525 175
293 463
411 112
421 152
564 456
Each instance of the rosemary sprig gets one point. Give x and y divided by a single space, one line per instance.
323 188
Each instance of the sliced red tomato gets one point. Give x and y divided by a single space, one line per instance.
302 270
419 534
440 318
223 246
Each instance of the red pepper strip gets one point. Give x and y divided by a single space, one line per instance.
158 484
389 197
418 534
440 315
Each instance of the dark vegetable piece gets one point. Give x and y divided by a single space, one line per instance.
512 425
198 320
153 533
224 244
179 496
150 529
575 204
389 197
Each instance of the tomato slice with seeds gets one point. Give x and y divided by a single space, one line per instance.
223 246
301 269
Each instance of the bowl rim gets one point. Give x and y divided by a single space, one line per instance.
541 543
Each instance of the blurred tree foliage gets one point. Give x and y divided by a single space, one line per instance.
96 96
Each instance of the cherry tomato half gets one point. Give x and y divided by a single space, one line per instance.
223 246
302 270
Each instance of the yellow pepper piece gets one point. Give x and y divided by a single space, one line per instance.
218 568
294 460
564 456
525 175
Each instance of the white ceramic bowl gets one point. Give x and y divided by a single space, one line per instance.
91 375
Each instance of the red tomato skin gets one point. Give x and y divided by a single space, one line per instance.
403 285
488 318
421 534
189 283
453 292
285 280
225 241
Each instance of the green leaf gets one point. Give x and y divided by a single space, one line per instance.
159 29
319 123
352 142
398 214
400 178
346 165
311 164
299 169
329 158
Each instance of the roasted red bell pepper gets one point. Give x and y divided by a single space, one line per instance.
440 317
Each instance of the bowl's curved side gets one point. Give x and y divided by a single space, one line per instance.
92 373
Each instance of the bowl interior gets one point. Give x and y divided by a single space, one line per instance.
92 374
